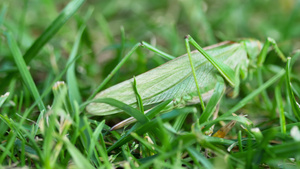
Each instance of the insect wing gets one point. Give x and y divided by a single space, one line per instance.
173 79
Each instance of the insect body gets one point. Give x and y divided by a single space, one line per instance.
174 79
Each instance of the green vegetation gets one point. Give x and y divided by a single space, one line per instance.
56 55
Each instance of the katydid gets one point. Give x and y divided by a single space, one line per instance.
193 74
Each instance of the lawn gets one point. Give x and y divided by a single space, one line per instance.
56 56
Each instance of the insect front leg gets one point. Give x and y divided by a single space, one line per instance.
226 72
213 104
260 61
263 53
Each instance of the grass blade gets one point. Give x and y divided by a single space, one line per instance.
149 125
214 100
54 27
264 94
138 96
25 74
279 102
127 109
254 93
295 106
114 71
150 114
78 158
198 156
74 93
155 50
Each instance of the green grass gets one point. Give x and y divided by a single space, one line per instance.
56 55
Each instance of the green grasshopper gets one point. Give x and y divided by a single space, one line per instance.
193 74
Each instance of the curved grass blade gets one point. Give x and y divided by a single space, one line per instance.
11 124
248 98
150 125
126 108
151 114
74 93
23 134
179 122
7 149
214 100
151 147
94 139
78 158
100 146
294 104
199 157
52 29
114 71
25 74
92 143
32 142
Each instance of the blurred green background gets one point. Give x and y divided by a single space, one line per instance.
162 23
